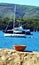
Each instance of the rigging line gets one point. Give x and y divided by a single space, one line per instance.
7 27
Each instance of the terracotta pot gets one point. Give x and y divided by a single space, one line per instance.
19 47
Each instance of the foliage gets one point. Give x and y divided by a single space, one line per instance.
31 23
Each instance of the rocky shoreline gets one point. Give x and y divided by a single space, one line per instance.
13 57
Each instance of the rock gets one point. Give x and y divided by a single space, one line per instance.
1 63
13 57
3 58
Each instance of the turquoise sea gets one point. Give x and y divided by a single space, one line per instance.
31 41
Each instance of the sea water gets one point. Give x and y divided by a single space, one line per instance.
31 41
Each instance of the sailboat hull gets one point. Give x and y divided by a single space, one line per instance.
13 35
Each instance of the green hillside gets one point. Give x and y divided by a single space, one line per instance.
22 11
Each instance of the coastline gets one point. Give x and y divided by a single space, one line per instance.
13 57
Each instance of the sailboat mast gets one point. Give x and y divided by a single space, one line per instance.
14 16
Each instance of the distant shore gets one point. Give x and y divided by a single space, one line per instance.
13 57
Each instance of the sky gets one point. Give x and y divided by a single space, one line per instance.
22 2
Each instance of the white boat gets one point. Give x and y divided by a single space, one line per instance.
14 31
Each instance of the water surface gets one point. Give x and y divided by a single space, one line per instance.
31 41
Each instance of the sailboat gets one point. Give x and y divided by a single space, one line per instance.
15 31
